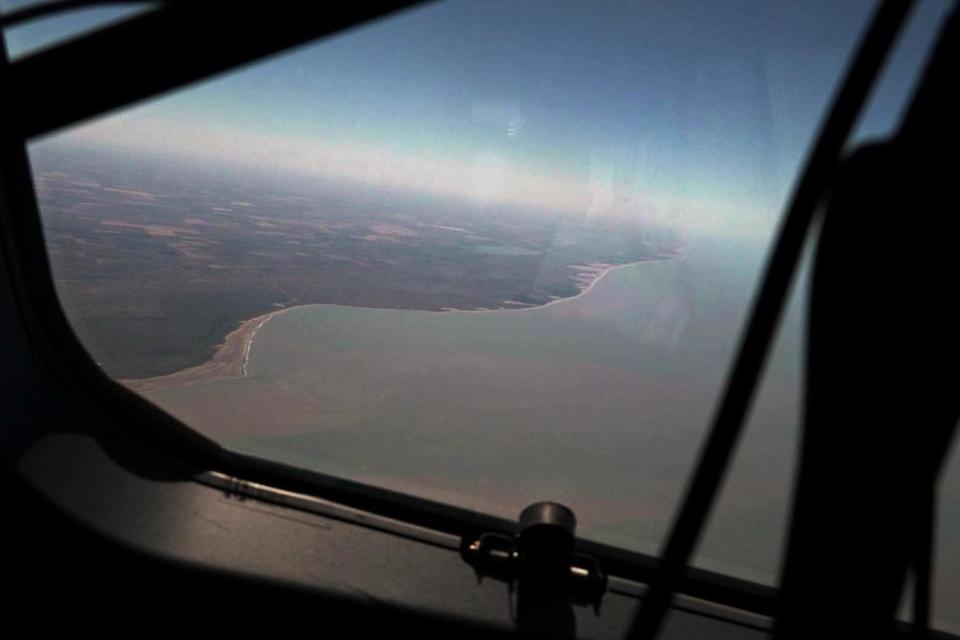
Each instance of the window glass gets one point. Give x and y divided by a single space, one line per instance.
483 253
28 37
745 534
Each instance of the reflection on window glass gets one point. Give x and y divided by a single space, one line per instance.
28 37
946 584
484 253
746 532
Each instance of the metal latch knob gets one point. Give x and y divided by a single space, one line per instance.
540 555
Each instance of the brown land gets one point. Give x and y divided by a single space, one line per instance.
159 267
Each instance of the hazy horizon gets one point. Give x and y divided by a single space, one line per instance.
661 110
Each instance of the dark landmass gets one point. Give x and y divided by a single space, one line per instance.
156 263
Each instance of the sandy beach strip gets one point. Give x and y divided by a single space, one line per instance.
587 278
229 361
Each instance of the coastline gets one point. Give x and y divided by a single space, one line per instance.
597 277
228 361
232 355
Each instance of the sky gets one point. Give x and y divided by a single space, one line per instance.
696 113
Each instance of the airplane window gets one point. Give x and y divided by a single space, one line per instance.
28 37
482 253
